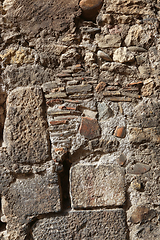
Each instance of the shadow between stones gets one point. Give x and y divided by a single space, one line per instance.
64 181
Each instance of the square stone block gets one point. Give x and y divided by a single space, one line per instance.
96 186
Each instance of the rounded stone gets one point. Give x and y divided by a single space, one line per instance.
90 8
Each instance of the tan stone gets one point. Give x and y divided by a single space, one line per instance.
25 130
122 55
108 41
96 186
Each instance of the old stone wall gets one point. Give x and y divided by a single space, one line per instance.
80 120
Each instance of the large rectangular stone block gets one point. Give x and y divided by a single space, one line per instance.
25 130
28 198
96 186
86 225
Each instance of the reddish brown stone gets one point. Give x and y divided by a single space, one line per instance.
89 128
135 83
120 132
67 108
53 101
139 214
58 122
100 87
90 8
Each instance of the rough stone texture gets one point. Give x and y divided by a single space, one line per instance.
96 186
107 224
101 84
25 134
28 198
33 17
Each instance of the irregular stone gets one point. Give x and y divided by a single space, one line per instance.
147 88
139 135
108 41
89 113
56 95
100 87
137 35
136 49
104 56
25 130
144 71
120 132
122 55
109 146
44 15
106 224
136 184
79 89
122 159
90 8
28 198
24 75
104 111
89 128
96 186
139 214
138 168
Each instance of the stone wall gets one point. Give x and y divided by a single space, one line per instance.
79 119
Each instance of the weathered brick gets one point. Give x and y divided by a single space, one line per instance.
106 225
89 128
120 132
56 95
96 186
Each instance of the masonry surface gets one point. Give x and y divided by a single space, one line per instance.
80 120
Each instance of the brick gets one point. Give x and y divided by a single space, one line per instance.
79 89
96 186
58 122
25 130
120 132
56 95
119 99
106 225
89 128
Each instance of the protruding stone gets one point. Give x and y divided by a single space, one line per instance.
120 132
122 159
96 186
89 128
138 168
90 8
106 224
122 55
104 56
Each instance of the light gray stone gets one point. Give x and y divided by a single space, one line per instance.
122 55
102 225
108 41
96 186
